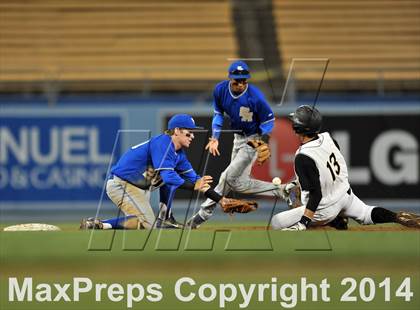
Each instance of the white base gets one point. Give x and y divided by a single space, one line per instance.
32 227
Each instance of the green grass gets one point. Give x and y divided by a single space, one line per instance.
208 257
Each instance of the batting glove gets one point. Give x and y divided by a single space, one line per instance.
301 225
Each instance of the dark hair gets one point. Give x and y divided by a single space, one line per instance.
310 135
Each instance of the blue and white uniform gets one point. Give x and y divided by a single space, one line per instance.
172 166
159 153
252 117
249 112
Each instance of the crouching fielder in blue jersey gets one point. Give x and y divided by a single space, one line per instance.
157 163
253 121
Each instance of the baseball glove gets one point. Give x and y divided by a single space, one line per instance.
230 205
153 179
263 150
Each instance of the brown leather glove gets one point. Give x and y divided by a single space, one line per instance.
263 150
231 205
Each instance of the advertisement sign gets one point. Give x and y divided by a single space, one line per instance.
382 153
55 158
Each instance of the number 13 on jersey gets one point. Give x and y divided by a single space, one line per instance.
333 166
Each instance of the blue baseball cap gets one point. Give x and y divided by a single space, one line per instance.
182 121
239 70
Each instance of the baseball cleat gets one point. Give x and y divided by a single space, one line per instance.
162 224
290 192
339 223
195 221
408 219
91 223
280 191
169 223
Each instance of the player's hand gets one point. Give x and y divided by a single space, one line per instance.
202 184
213 146
297 227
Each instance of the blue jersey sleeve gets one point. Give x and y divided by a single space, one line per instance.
265 116
185 169
217 123
164 160
170 177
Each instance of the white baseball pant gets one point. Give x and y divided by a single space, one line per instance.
348 206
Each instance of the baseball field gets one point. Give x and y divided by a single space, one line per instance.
376 268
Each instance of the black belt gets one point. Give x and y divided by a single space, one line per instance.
349 191
142 183
245 135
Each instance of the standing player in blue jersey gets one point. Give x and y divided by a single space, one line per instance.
252 117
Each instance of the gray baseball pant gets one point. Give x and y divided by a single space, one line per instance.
237 176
